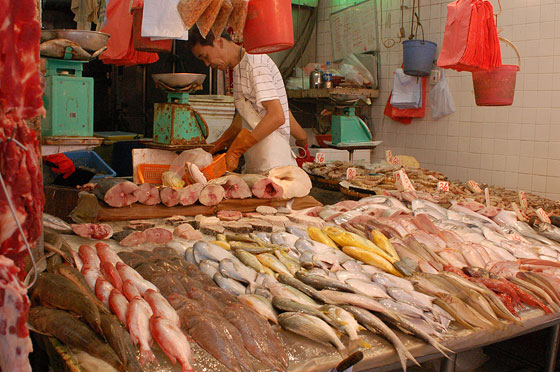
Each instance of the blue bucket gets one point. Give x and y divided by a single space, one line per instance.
418 57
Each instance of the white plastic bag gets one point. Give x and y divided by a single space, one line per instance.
161 20
441 100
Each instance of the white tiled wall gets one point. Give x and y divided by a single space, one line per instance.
515 146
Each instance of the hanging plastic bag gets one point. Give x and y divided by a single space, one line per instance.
206 20
222 19
161 19
191 10
441 100
405 115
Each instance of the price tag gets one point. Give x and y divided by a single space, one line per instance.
350 173
518 213
523 200
543 216
402 181
389 156
320 157
487 196
396 161
443 186
474 187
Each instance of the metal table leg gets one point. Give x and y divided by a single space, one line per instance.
351 155
448 365
552 351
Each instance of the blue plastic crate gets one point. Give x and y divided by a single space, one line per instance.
91 160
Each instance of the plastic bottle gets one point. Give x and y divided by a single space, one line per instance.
327 76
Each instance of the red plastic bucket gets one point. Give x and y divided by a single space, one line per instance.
145 44
268 27
496 87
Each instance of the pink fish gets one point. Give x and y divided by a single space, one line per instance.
128 273
103 290
110 273
138 322
106 254
161 307
173 342
118 305
89 257
129 290
90 275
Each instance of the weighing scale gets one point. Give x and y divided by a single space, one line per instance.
176 123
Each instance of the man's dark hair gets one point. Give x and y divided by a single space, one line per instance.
196 38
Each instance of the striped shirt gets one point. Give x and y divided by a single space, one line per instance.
257 79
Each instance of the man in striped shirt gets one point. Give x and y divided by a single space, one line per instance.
262 126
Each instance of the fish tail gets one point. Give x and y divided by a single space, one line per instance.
147 356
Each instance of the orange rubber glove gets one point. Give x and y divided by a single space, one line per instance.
243 142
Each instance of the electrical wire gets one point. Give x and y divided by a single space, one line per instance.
13 210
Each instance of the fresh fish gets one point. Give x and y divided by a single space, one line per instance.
388 281
367 288
230 285
119 339
341 298
72 332
209 267
173 342
261 305
161 308
285 304
56 224
138 323
320 282
345 321
128 273
189 255
284 239
297 284
57 291
292 265
236 270
283 290
208 251
118 305
413 298
273 263
297 232
310 327
249 260
375 325
72 274
344 275
549 231
264 236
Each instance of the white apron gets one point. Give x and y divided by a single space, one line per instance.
271 152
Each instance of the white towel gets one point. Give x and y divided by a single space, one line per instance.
161 20
407 90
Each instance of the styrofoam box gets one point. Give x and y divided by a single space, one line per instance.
342 155
217 110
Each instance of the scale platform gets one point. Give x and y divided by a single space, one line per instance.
351 147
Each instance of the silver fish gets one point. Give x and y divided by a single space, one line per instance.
261 305
249 260
417 299
189 255
549 231
291 264
388 281
344 275
302 287
285 304
367 288
230 285
208 251
345 321
282 290
320 282
56 224
297 232
209 267
310 327
284 239
273 263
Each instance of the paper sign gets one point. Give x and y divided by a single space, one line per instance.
518 213
389 156
396 161
474 187
350 173
402 181
523 200
543 216
443 186
487 196
320 157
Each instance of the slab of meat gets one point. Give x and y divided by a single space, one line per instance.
259 225
96 231
158 235
263 187
212 230
294 181
238 227
229 215
211 195
169 196
147 194
234 187
20 170
134 239
116 193
14 346
186 231
263 209
21 88
190 194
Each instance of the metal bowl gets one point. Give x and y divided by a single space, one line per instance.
89 40
179 80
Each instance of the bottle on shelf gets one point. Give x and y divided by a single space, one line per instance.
316 77
327 76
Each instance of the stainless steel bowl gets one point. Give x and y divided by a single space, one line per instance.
179 80
89 40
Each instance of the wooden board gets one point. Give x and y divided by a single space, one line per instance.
326 93
103 212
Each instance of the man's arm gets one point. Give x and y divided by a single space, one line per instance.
272 120
229 135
